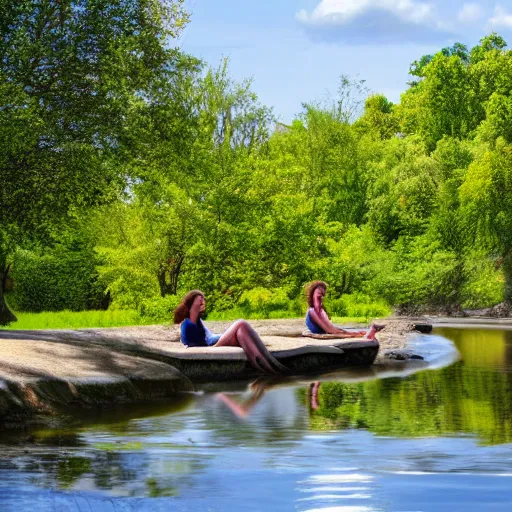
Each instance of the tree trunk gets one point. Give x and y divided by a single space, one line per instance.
6 315
165 288
172 270
175 274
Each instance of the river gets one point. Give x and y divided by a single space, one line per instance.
437 439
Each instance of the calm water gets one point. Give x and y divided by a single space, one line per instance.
429 441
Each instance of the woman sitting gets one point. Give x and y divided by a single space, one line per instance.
240 334
317 320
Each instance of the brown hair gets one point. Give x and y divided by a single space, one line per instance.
310 289
182 311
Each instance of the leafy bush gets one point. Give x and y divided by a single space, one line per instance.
352 263
128 282
357 305
484 285
158 309
230 314
241 313
59 279
421 274
265 301
220 301
336 307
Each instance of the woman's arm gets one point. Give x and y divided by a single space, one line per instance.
211 339
322 320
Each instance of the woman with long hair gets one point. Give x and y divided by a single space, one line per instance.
317 319
240 334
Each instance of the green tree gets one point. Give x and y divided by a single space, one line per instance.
194 135
454 85
486 196
69 72
487 44
378 118
401 196
442 99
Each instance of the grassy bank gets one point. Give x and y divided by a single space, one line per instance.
121 318
77 319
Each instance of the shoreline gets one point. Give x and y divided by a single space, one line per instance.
470 322
43 371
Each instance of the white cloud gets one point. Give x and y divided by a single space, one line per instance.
470 13
501 18
343 11
384 21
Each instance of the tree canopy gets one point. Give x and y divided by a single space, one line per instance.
170 175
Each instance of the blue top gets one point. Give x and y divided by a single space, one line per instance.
197 335
312 326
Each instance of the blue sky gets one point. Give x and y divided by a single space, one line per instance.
296 50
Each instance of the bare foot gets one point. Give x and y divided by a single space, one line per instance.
374 329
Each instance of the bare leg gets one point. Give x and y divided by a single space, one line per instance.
314 394
242 409
241 334
353 334
367 334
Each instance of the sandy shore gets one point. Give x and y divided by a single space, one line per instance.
41 369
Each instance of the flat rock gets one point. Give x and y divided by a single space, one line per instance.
401 355
42 376
26 360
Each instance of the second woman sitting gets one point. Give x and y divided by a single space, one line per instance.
318 322
239 334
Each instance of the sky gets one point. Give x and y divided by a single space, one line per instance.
296 50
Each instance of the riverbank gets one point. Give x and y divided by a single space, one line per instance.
43 371
482 322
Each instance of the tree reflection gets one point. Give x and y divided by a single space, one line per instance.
70 469
473 396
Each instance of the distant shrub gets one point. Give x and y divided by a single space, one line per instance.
230 314
357 305
265 301
220 301
420 274
128 282
336 307
57 280
484 285
158 309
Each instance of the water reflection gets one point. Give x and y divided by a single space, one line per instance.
482 348
344 441
473 396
